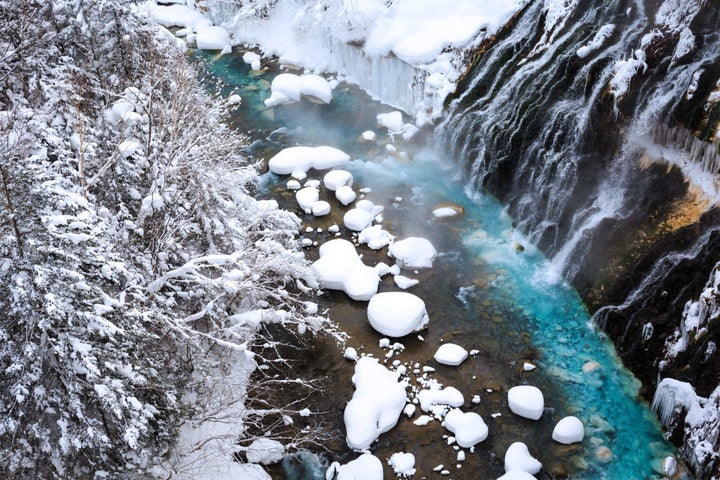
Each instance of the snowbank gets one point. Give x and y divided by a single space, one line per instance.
375 406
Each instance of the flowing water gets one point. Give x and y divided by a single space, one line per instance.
490 289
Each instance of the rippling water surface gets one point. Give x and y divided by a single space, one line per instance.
489 290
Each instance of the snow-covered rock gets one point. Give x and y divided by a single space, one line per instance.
517 457
526 401
345 195
450 354
402 463
213 38
265 451
449 396
397 314
413 252
469 428
569 430
393 121
357 219
375 406
517 475
405 282
320 208
252 59
365 467
340 268
306 198
289 88
335 179
375 237
301 159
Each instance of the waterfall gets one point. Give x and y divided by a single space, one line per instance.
557 130
582 118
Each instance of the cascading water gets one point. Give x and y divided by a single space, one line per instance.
576 119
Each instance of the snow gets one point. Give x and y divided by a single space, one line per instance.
526 401
404 282
375 237
289 88
469 428
252 59
517 475
376 404
179 16
445 212
393 121
402 463
450 396
345 195
320 208
569 430
397 314
335 179
340 268
402 42
213 38
357 219
265 451
351 354
413 252
450 354
306 198
365 467
369 136
600 37
517 457
128 147
301 159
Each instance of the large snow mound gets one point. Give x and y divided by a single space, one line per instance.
397 314
376 404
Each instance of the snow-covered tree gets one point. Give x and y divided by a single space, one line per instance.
130 246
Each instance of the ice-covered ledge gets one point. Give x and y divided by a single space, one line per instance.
407 54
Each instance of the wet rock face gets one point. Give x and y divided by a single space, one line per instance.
661 305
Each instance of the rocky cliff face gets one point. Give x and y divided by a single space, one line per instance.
596 122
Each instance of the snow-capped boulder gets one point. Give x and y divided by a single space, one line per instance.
213 38
393 121
397 314
413 252
450 354
376 404
340 268
292 160
517 457
306 198
449 396
335 179
526 401
375 237
569 430
469 428
403 464
345 195
357 219
366 467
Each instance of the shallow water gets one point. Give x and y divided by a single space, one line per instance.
488 290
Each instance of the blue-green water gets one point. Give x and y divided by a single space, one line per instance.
489 290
